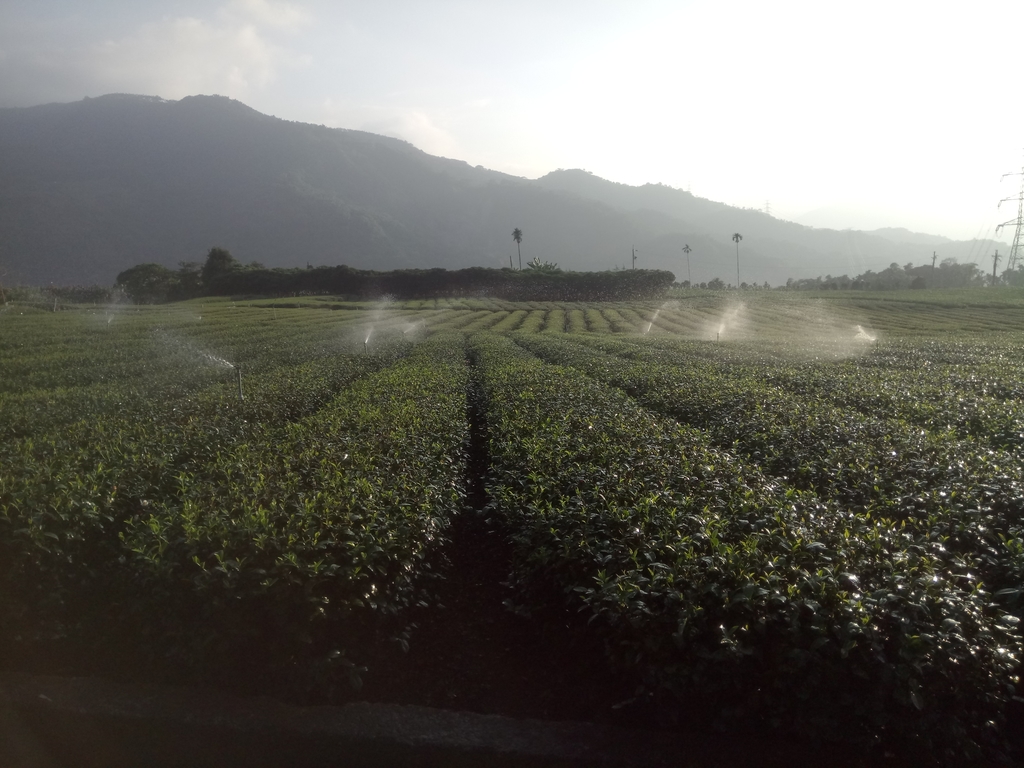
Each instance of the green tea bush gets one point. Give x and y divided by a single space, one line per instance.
965 495
199 522
576 321
534 321
709 579
596 321
555 321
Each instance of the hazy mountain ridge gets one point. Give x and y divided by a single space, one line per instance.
780 244
90 188
901 235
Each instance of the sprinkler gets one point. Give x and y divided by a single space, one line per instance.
653 320
238 370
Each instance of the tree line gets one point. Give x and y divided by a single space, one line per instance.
948 274
223 275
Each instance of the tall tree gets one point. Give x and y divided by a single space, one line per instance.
517 235
736 239
218 263
148 283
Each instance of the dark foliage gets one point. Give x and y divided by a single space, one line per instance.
81 294
948 274
225 278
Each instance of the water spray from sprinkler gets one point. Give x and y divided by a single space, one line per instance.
651 324
863 335
236 367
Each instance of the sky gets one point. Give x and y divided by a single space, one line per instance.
847 115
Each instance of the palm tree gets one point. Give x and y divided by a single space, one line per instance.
517 235
686 250
736 239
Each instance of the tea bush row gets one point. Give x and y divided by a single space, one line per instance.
315 498
713 581
966 494
978 395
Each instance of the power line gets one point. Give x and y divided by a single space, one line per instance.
977 252
974 244
1015 249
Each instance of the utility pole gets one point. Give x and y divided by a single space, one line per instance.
1017 249
736 239
935 256
768 207
634 257
686 250
995 261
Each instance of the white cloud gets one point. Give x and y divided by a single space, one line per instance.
177 57
234 51
282 16
422 130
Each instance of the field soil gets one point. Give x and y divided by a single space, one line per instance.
476 654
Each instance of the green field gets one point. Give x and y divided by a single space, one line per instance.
799 510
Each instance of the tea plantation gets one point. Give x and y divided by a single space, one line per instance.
802 512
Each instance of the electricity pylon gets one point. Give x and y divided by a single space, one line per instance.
1017 249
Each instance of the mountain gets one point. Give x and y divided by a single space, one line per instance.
770 246
90 188
901 235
